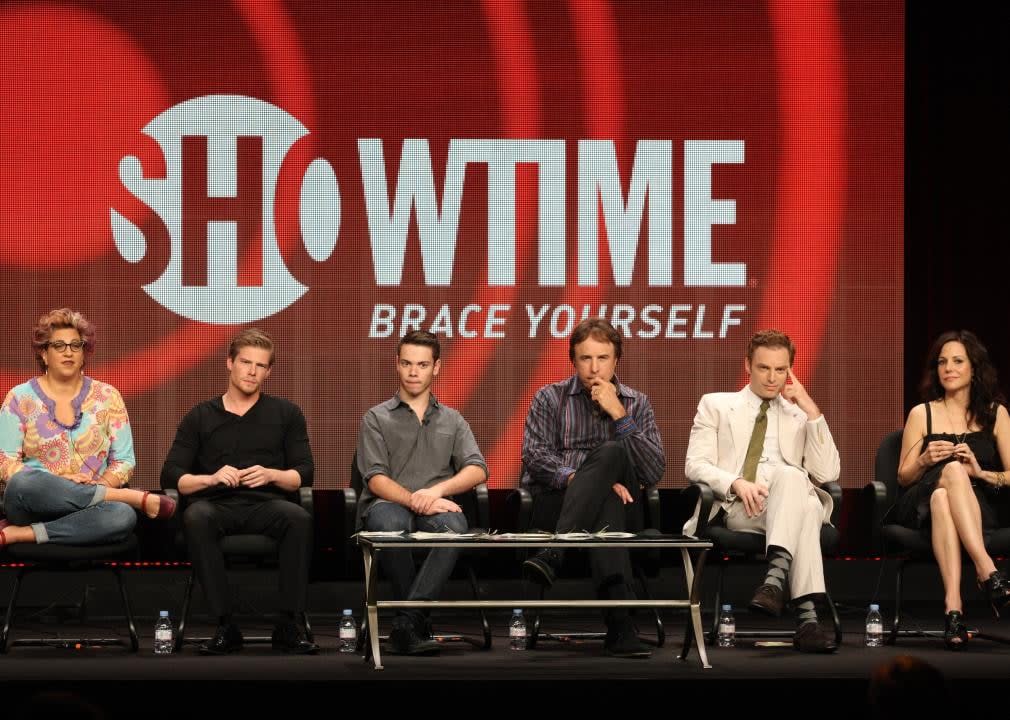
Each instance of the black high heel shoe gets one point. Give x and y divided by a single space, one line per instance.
955 632
996 591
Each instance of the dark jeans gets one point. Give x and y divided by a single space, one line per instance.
590 503
398 565
207 521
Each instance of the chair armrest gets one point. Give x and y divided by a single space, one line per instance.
694 493
525 509
653 509
350 511
483 506
834 489
306 501
878 506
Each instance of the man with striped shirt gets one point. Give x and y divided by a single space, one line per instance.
589 444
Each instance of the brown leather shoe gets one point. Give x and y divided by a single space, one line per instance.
768 599
809 638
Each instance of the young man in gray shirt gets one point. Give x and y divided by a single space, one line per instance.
414 454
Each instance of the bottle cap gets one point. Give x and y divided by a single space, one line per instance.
874 606
163 613
347 611
727 608
517 610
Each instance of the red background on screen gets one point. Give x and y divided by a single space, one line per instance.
813 90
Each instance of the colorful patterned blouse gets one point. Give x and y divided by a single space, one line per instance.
98 442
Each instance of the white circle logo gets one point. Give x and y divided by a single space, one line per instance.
223 154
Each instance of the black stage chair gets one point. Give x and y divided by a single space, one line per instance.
260 550
908 545
541 512
52 557
732 548
476 507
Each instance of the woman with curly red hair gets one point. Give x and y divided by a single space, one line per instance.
66 450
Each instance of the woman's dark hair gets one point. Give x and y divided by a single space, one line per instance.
985 395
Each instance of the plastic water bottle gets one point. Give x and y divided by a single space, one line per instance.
348 632
727 627
164 635
874 627
517 630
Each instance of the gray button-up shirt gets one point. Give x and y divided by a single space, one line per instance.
416 454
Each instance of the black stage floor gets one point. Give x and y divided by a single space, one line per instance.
500 682
258 683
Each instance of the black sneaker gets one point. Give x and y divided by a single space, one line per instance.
404 639
288 639
622 642
226 640
543 568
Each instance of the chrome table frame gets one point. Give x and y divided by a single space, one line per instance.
692 574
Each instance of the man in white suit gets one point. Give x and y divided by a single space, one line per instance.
764 451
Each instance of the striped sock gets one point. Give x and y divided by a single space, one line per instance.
806 612
779 560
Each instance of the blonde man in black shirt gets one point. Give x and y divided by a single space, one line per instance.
237 456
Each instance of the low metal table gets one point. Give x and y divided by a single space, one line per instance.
686 544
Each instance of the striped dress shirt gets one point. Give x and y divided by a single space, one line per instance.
564 425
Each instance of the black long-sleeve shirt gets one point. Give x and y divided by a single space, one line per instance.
272 433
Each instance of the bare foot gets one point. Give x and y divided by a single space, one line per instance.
13 534
150 503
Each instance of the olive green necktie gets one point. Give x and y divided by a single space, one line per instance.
757 444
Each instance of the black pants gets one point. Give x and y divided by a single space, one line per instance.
590 503
207 521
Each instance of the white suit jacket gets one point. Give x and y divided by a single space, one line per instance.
721 433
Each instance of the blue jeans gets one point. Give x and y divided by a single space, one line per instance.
62 511
408 583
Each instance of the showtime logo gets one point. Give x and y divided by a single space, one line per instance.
223 155
226 214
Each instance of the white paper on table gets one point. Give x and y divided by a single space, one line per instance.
424 535
523 536
613 535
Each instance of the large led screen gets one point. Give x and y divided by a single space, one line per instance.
339 172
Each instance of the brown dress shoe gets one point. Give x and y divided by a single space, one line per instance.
809 638
768 599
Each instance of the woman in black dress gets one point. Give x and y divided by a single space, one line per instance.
953 452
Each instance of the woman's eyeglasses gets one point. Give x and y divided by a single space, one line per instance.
60 346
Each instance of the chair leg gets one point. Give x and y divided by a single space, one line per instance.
364 646
899 576
11 606
713 634
362 633
532 636
485 627
835 621
187 598
308 627
134 640
660 630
